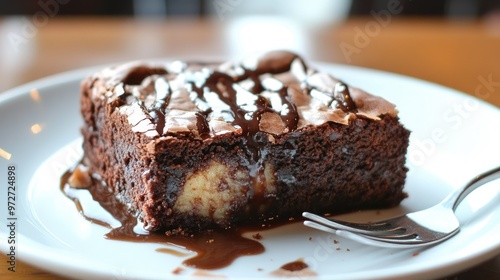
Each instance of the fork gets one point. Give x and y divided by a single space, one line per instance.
422 228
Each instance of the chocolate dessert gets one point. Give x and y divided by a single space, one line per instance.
192 146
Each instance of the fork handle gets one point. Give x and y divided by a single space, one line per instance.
453 200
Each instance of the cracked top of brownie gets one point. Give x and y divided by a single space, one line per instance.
274 93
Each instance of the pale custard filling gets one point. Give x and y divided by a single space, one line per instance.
213 192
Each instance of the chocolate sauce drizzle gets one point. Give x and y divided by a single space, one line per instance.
214 249
220 94
342 98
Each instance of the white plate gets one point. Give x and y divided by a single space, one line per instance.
454 137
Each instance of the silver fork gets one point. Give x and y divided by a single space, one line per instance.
422 228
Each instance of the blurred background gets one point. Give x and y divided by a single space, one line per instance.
459 38
455 43
305 9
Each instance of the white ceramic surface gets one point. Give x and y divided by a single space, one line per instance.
454 137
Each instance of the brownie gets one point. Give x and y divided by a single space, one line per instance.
193 146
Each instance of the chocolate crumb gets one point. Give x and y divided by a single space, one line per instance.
415 254
178 270
257 236
335 241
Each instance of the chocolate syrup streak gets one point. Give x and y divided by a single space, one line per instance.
215 249
219 94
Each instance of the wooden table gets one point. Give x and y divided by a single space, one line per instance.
458 54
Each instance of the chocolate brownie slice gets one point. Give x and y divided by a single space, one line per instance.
190 146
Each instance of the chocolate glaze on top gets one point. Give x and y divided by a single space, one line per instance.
236 93
204 100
